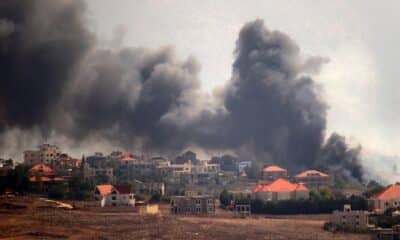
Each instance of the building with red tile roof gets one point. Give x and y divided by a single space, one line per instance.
314 179
42 170
115 195
43 173
127 159
271 173
280 189
104 190
388 198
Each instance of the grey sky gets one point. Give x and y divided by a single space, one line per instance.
360 38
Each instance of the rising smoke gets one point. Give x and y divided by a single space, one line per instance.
57 81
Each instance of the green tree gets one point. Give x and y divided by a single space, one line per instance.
57 191
18 179
225 198
79 189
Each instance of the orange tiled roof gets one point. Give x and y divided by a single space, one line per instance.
123 189
274 169
311 172
388 193
104 189
128 157
280 185
46 170
45 179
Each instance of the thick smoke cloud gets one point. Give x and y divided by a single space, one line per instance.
57 80
41 43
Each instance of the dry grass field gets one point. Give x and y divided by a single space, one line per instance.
36 219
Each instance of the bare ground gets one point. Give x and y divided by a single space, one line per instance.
31 218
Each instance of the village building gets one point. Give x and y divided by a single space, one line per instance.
227 162
97 160
280 189
89 173
350 219
128 159
148 188
66 161
198 178
5 166
46 154
187 157
193 205
42 177
314 179
114 195
243 165
242 210
388 198
271 173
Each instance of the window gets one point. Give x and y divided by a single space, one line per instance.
114 198
198 201
198 210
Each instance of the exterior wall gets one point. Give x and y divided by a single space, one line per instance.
303 194
49 153
380 206
149 188
192 205
272 176
351 219
46 154
279 196
315 181
116 199
32 157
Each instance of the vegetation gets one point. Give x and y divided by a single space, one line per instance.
57 191
79 189
372 188
225 198
16 180
387 219
322 200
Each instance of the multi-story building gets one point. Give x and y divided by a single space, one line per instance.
198 178
187 157
314 179
350 219
280 189
272 173
388 198
32 157
200 204
46 154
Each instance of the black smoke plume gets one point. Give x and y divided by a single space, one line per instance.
56 78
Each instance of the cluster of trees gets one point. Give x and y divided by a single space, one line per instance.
308 206
16 180
387 219
322 200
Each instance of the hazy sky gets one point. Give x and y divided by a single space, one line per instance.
359 37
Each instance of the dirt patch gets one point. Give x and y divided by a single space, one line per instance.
34 222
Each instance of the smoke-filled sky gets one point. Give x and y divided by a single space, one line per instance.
263 79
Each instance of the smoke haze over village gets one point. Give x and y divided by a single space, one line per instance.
62 82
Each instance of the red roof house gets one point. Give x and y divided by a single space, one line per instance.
388 198
280 189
